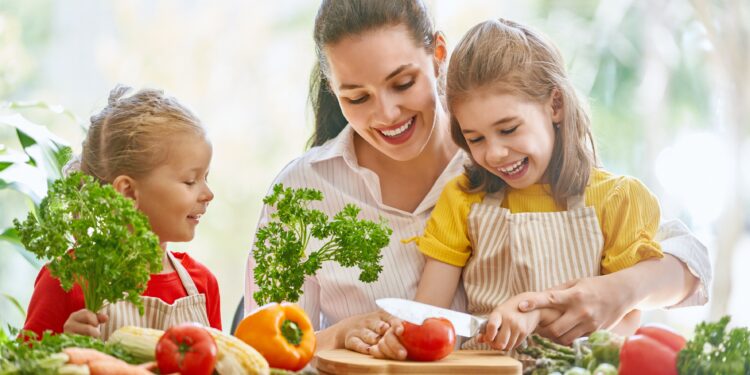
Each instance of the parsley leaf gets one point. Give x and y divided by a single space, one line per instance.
713 350
280 246
94 237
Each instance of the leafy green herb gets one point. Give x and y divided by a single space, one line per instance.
713 350
281 264
27 354
113 251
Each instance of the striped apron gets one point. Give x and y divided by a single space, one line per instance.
157 313
526 252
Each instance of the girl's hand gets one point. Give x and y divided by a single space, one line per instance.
84 322
506 327
365 330
586 304
389 346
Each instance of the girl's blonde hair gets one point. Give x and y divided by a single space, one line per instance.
509 58
128 136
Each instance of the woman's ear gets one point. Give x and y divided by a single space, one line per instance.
558 110
440 54
126 186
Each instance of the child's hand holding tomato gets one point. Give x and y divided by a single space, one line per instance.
432 340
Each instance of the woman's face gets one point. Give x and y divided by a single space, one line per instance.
387 88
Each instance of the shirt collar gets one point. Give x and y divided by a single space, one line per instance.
340 147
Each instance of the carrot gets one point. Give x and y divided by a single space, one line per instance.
82 356
117 367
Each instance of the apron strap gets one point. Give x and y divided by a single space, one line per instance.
576 201
187 281
494 199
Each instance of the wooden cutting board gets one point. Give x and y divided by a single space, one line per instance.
342 361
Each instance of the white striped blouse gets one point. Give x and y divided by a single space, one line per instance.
335 292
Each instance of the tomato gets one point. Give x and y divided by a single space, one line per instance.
643 355
664 335
188 349
432 340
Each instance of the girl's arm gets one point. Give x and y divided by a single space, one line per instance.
438 283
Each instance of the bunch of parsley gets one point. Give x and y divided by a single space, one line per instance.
713 350
94 237
280 246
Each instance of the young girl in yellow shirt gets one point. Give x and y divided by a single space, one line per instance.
532 210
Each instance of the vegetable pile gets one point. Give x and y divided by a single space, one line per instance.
280 246
651 350
94 237
28 354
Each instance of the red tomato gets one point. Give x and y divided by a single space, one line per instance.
188 349
432 340
643 355
664 335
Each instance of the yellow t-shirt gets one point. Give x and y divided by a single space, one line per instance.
628 214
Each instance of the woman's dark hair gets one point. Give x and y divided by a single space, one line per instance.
337 19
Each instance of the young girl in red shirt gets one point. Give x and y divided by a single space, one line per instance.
153 150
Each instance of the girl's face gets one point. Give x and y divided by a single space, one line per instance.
175 195
387 88
510 136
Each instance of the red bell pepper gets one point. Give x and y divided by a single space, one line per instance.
651 351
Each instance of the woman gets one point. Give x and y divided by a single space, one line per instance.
382 142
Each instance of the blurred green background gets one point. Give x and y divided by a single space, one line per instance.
667 81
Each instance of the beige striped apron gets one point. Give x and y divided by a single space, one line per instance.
157 313
524 252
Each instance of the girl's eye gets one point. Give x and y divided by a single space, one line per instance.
359 100
510 130
405 86
189 183
474 140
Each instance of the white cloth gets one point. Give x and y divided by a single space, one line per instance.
335 292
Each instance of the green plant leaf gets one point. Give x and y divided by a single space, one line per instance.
10 237
15 303
45 149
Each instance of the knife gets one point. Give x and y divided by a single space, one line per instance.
415 312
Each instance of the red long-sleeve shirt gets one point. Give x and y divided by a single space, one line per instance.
51 306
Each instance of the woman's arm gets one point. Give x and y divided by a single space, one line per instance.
600 302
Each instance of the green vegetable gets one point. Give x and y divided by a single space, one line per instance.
713 350
94 237
27 354
605 347
605 369
280 246
550 358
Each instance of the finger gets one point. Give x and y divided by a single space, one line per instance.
501 340
577 331
367 336
385 350
515 340
552 299
84 316
81 329
102 317
356 344
566 285
493 324
379 326
393 343
560 327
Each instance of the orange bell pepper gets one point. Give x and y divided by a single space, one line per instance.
281 333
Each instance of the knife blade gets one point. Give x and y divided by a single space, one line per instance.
466 325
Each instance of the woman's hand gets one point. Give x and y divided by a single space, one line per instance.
364 331
84 322
586 305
